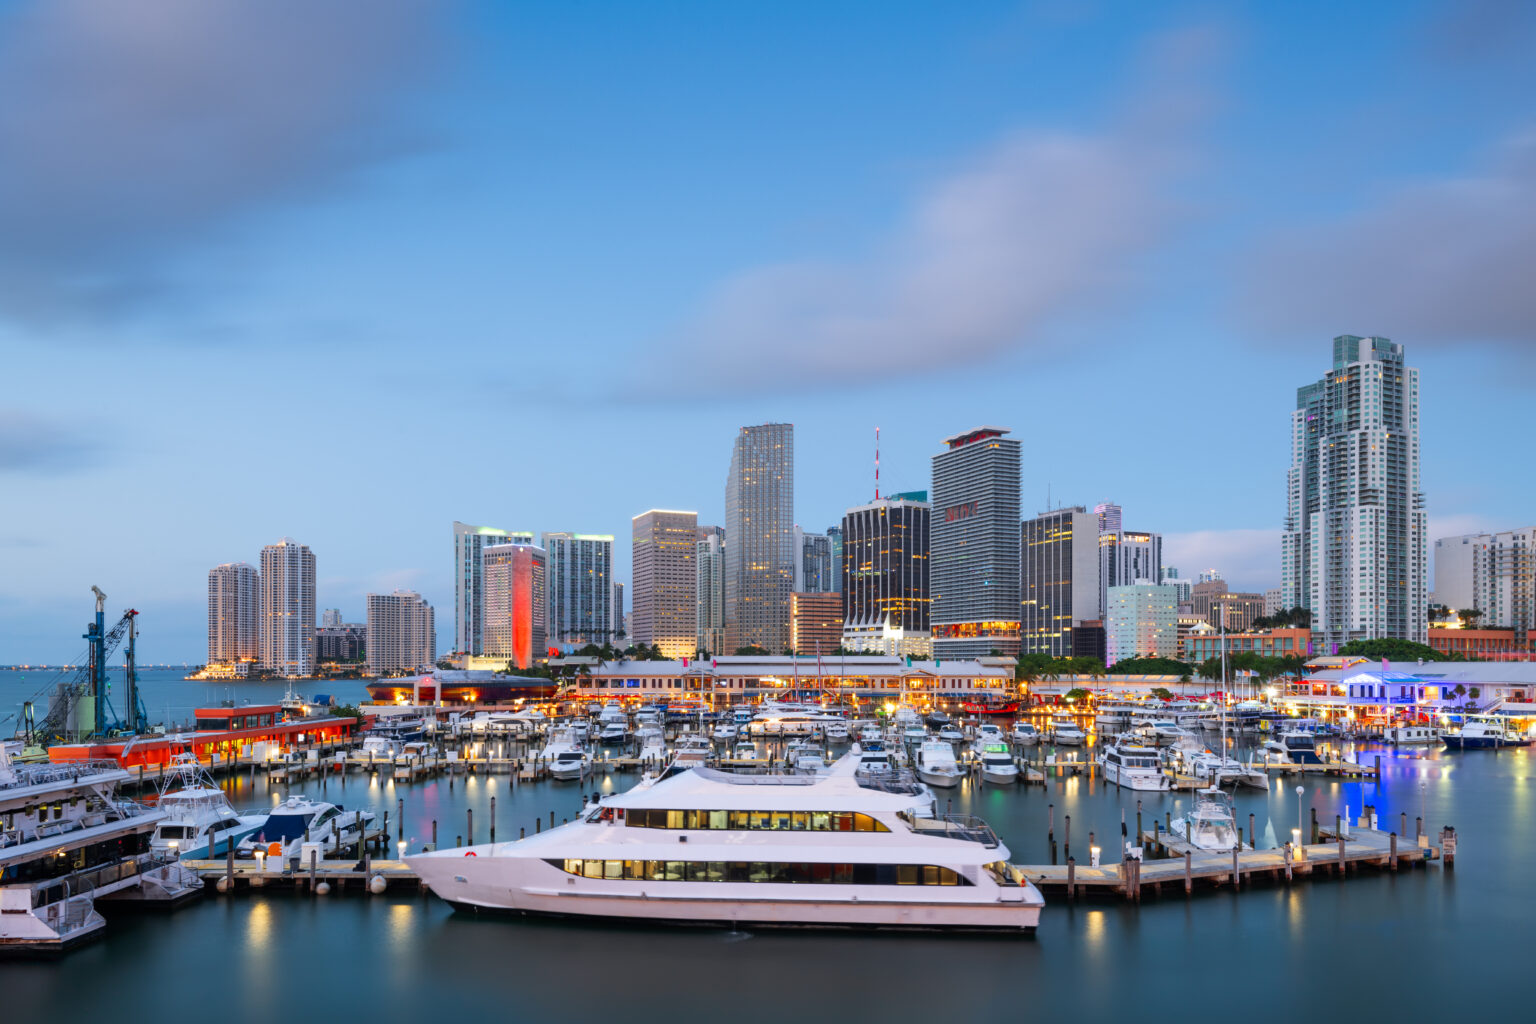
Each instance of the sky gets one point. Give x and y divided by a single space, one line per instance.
347 271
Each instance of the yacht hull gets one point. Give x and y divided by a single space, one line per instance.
1000 778
943 780
1138 781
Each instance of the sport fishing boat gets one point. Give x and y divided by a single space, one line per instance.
1210 825
297 820
198 816
1134 768
653 748
791 850
935 764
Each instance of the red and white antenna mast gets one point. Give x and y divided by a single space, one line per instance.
877 463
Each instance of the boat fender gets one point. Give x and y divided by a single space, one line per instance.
470 853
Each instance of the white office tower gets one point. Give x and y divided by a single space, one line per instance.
1353 550
1494 573
1108 516
288 608
402 638
1128 557
709 567
580 568
1142 621
974 545
469 543
234 614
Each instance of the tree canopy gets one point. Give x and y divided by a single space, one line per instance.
1394 650
1151 667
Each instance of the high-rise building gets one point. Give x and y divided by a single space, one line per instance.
619 632
1353 550
1272 603
402 635
1058 580
1493 573
516 603
288 608
347 641
709 570
835 541
664 597
814 567
1184 587
1209 576
580 598
1143 622
885 591
974 568
1109 517
234 614
1127 557
469 543
815 623
330 618
760 529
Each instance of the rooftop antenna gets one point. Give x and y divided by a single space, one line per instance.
877 463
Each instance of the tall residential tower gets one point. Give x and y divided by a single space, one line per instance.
234 614
288 608
580 598
1058 580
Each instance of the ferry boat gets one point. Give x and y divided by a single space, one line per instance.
67 841
708 847
1135 768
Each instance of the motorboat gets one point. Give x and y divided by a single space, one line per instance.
1131 767
198 816
914 734
829 850
1066 732
653 748
613 733
836 732
691 751
1114 716
564 755
1210 825
936 719
415 758
1217 770
935 764
951 734
746 750
1297 747
868 732
997 764
299 820
1484 735
1025 733
725 731
989 732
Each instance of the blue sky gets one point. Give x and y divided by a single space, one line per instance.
347 272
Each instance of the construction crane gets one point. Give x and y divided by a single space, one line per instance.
79 707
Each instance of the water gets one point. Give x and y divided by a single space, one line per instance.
1418 943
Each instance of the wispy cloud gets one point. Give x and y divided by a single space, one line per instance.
35 444
984 259
1441 262
133 129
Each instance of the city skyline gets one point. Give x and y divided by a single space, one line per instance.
840 251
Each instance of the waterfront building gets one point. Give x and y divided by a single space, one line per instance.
835 541
347 641
580 569
815 623
814 567
1128 557
330 618
234 614
1058 579
402 635
1109 517
1493 573
1353 549
664 601
759 525
1480 644
1272 603
974 568
469 543
288 608
885 570
709 570
618 617
1267 643
1142 622
516 603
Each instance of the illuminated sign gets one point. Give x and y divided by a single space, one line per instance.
963 511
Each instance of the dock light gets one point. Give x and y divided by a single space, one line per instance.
1094 855
261 859
1296 843
174 847
401 846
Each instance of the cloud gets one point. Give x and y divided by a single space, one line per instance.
33 444
1249 560
131 130
1037 224
1440 262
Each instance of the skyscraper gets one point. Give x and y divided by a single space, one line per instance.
709 568
234 613
1493 573
580 598
886 606
1128 557
620 631
975 551
288 608
1059 579
402 635
516 603
814 572
815 623
663 598
1353 550
760 528
469 542
835 541
1143 622
330 618
1108 516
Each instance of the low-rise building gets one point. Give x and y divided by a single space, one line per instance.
1267 643
1483 644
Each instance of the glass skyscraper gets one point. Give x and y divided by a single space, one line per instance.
886 606
974 568
760 538
580 598
1058 579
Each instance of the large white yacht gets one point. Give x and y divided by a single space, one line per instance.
198 815
66 841
935 764
1134 768
297 820
563 754
711 847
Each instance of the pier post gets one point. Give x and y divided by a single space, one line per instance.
1341 856
458 841
1314 826
551 819
1418 831
1289 853
229 864
1403 827
1378 769
1071 878
386 824
313 868
469 825
434 833
1189 878
493 819
522 832
1138 822
538 825
1237 879
1067 843
1167 821
1050 829
1448 846
400 818
1392 859
1251 844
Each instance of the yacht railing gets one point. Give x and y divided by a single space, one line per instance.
67 915
967 827
734 779
899 781
49 774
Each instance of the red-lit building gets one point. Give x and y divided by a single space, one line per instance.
515 603
222 734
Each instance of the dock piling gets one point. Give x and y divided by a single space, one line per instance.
1071 878
493 819
469 825
1189 878
1392 856
1448 847
1251 845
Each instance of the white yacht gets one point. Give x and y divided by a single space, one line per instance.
724 731
564 755
67 841
935 764
1134 768
198 816
746 750
1217 770
951 733
692 751
297 820
997 764
785 720
1025 733
1211 825
653 747
868 732
613 733
836 731
1413 735
795 850
1065 732
988 732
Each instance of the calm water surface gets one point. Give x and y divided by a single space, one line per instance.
1426 942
